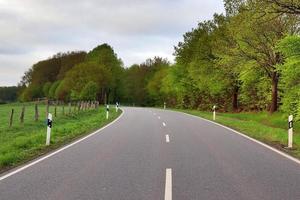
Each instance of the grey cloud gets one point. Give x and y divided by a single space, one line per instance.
34 29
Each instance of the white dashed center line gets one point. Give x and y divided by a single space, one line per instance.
168 186
164 124
167 138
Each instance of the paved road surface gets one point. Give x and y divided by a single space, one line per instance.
151 154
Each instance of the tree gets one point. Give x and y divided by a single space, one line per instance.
199 79
154 87
105 56
32 92
228 60
290 47
233 7
257 37
284 6
8 94
79 76
52 90
89 92
69 60
48 71
46 89
62 92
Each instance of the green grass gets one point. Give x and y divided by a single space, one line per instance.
270 129
23 142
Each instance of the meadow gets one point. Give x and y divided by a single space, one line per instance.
25 141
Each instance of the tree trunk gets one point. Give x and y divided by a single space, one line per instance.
274 103
235 99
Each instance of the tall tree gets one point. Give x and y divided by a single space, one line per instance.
290 47
257 37
105 56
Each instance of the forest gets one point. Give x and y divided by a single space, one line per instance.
247 59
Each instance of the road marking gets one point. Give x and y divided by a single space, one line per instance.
167 138
154 113
247 137
58 151
164 124
168 186
158 117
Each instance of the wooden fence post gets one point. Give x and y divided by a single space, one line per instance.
36 113
22 115
11 118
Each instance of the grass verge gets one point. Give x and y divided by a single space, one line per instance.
23 142
270 129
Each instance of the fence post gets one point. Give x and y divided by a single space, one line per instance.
22 115
36 113
11 118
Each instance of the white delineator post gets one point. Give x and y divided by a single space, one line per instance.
117 107
214 112
165 105
290 132
107 111
49 126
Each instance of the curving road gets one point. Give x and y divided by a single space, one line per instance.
152 154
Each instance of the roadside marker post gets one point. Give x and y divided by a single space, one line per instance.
49 126
214 113
117 106
165 105
107 111
290 132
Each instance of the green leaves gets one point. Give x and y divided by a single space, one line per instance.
290 70
89 92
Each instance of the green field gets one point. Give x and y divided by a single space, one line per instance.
23 142
270 129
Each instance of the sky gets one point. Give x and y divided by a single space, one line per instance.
33 30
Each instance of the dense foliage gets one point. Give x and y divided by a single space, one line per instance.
246 59
8 94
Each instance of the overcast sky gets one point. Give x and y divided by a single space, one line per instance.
32 30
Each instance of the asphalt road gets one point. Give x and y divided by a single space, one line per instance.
151 154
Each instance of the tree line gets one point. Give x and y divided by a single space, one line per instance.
8 94
247 59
